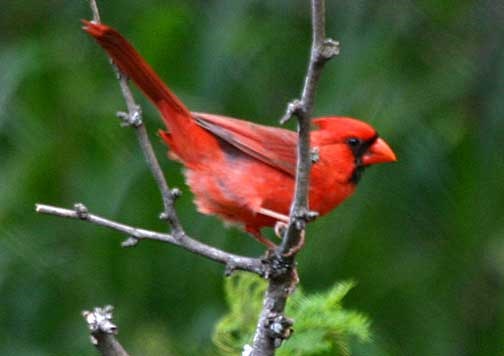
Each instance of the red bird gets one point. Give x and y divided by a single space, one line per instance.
244 172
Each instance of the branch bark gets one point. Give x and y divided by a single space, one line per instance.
322 49
103 331
273 327
133 118
232 261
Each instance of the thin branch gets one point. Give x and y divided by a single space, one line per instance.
322 50
95 11
232 261
133 118
270 332
103 331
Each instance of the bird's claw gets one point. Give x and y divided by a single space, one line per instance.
295 249
280 229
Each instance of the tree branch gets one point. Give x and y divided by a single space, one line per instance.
232 261
103 331
133 118
322 50
273 327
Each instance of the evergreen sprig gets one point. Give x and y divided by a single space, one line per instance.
322 325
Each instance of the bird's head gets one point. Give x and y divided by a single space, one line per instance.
358 140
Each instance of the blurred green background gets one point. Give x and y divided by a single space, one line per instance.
424 238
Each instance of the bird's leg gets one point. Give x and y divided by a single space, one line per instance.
280 228
270 245
295 280
274 215
256 234
282 221
299 245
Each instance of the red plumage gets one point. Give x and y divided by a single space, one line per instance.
241 171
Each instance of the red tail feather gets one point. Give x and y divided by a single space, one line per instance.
185 132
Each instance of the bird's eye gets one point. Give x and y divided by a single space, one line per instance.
353 142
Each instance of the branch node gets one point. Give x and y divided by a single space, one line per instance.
133 118
81 210
164 216
247 350
175 193
315 154
303 216
329 49
277 266
279 328
100 320
131 241
118 74
167 215
230 269
295 107
178 234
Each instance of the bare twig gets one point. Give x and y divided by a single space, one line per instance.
95 11
269 332
322 50
232 262
103 331
133 118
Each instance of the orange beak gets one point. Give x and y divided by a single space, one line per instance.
378 152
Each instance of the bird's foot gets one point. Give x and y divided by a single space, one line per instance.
269 244
274 215
280 229
256 234
295 249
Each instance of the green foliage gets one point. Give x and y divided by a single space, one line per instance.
322 326
244 295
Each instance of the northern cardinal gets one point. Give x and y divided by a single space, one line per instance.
244 172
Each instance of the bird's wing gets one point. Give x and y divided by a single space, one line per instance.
273 146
